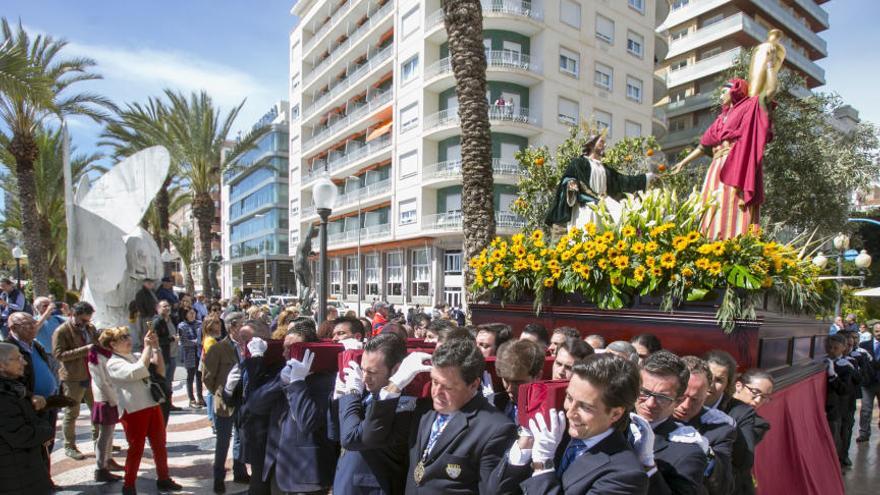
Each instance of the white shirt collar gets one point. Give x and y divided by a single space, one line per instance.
595 439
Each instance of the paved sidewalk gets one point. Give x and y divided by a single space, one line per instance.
190 454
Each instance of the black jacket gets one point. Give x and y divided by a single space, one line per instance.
608 468
872 378
680 466
751 429
22 434
464 455
841 390
145 302
721 437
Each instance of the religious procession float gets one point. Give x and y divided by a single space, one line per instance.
623 254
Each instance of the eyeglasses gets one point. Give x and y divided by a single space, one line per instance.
663 400
758 394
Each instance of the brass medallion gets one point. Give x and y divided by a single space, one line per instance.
419 472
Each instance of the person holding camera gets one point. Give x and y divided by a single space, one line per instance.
139 397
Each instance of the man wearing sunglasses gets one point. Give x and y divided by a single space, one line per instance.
680 452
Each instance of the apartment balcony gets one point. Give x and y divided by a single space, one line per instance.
332 23
678 139
379 21
367 196
794 25
508 66
712 33
355 81
703 68
659 123
451 222
448 173
525 18
816 12
689 105
367 234
518 121
660 89
344 124
352 160
694 9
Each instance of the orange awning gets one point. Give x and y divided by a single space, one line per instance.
380 131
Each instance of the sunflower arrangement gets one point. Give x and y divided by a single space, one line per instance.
655 249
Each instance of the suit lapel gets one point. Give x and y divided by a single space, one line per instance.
660 435
425 431
454 428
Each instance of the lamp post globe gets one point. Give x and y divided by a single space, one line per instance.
324 196
841 242
820 260
18 254
863 260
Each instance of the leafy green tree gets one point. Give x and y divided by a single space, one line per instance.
184 243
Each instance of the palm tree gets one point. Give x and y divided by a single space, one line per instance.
464 24
50 207
22 113
17 75
184 244
135 128
199 137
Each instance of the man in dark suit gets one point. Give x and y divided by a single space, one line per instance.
518 362
453 448
680 452
715 426
591 455
364 468
870 385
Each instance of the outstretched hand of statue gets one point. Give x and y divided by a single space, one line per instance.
572 185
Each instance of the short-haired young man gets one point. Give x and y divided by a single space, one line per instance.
536 332
589 454
596 341
490 337
558 337
347 328
454 447
569 353
843 381
518 362
679 452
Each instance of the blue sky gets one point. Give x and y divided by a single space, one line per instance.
238 49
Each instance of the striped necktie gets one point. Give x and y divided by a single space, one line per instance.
575 448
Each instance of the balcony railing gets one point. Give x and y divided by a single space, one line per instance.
364 110
368 66
347 159
452 221
499 114
452 168
374 19
495 59
521 9
362 194
339 14
367 233
702 68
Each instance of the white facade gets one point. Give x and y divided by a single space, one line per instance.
706 37
373 102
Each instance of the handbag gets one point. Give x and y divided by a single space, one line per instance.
156 384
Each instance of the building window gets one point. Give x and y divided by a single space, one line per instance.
409 22
336 276
353 271
294 112
633 129
604 77
409 163
711 53
603 121
569 62
634 89
569 110
635 44
409 68
408 212
421 272
570 13
678 124
394 268
604 29
409 117
712 20
681 64
677 35
371 274
452 263
294 207
677 4
637 5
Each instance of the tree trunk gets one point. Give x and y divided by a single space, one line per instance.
464 24
24 149
188 279
203 211
162 203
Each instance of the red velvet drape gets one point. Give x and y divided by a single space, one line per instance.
797 454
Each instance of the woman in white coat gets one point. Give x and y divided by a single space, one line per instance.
105 412
141 414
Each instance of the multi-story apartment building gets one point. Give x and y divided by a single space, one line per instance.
706 37
255 219
373 105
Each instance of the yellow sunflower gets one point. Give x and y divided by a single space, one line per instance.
621 262
715 268
628 231
537 235
656 272
639 273
667 260
702 263
603 263
651 246
638 247
548 282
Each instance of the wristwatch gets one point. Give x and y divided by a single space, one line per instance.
542 466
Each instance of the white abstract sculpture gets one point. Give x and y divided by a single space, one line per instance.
108 253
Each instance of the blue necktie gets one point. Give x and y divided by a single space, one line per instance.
575 448
436 430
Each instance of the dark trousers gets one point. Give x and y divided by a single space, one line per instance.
193 374
836 427
226 429
848 423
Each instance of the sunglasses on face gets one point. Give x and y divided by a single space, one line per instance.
663 400
758 394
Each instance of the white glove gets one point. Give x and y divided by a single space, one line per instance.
486 384
716 417
257 347
411 366
830 364
232 379
338 389
351 344
547 438
297 370
354 378
643 439
687 434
